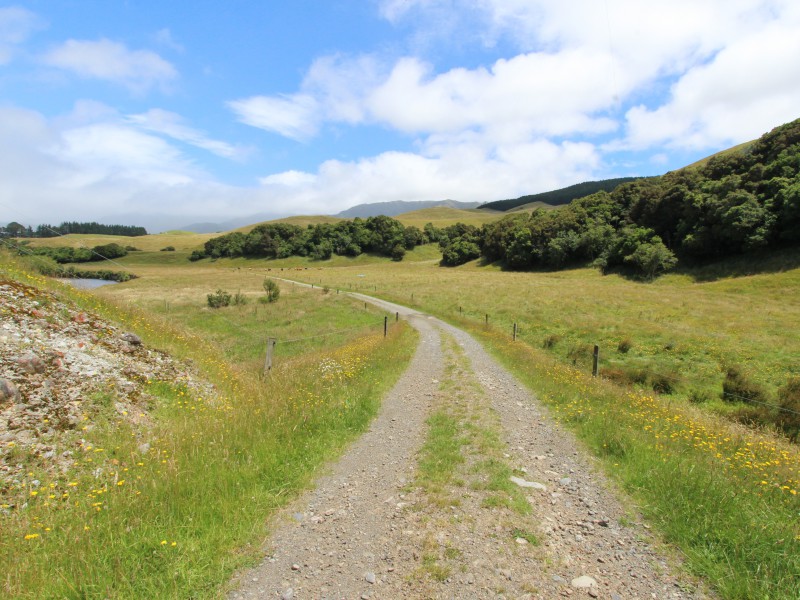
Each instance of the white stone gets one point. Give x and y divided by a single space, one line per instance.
528 484
583 582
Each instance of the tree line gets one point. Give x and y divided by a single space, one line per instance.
63 254
379 235
18 230
735 203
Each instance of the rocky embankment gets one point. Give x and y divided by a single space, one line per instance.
61 370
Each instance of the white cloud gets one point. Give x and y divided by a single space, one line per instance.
733 63
467 170
88 164
172 125
138 70
16 25
530 93
293 116
749 87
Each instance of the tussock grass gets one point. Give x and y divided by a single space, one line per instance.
175 518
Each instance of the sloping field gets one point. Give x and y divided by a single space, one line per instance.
181 241
442 216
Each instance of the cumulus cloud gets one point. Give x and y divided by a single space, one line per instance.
138 70
90 163
467 170
747 88
590 59
16 25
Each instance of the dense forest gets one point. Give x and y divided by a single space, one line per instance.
735 203
560 196
379 235
15 229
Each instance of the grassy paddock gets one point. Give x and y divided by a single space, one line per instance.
183 240
726 495
175 518
684 329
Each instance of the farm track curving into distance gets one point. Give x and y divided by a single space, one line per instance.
370 530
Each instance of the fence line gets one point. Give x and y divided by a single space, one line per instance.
517 333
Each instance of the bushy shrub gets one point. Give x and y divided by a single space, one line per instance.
197 255
239 299
108 251
398 253
624 346
663 384
737 387
699 396
219 299
272 290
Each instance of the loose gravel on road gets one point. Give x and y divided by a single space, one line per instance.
368 530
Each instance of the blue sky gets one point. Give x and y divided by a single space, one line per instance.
167 113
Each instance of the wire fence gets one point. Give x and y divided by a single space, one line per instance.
517 332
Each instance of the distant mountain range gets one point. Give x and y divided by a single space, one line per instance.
398 207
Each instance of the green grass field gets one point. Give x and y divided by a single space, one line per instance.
724 494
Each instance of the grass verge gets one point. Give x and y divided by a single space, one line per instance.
176 516
726 496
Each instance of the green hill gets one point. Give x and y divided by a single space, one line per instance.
560 196
740 201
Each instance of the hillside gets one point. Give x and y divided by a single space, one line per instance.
560 196
443 216
398 207
737 202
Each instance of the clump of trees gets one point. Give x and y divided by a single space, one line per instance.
735 203
380 235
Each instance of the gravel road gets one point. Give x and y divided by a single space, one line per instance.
368 530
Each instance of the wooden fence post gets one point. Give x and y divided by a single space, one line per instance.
515 332
487 319
396 317
268 360
385 324
595 360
